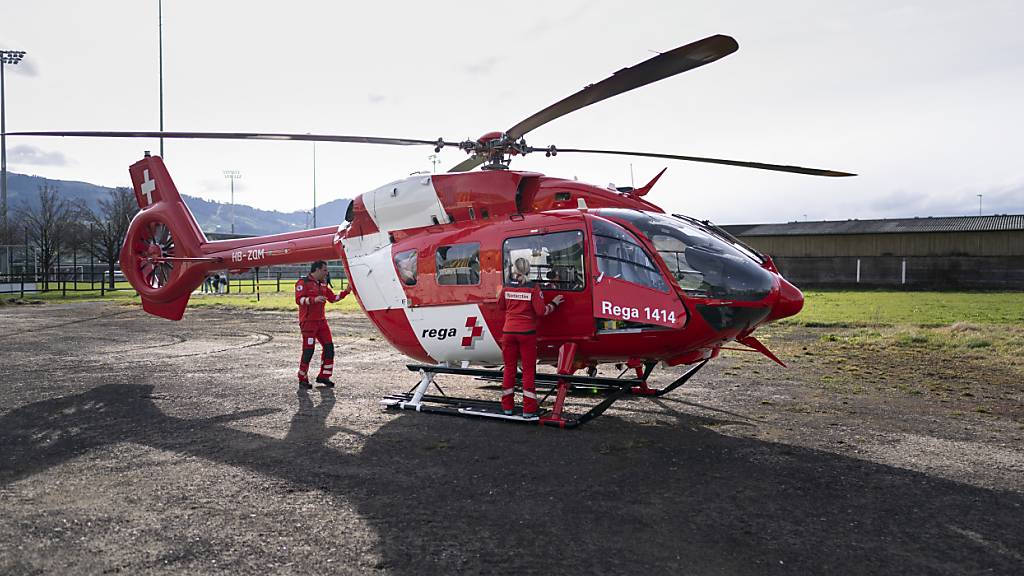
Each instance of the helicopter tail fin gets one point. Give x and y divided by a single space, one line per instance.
154 187
162 255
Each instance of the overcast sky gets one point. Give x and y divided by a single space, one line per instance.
922 99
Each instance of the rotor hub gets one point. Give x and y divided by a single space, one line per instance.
498 149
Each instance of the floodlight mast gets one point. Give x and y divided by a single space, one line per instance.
11 57
232 175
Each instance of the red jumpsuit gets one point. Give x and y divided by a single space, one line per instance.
313 325
523 305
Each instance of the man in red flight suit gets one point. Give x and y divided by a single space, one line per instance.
524 305
311 293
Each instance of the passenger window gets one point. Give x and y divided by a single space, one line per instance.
552 261
620 256
405 264
458 265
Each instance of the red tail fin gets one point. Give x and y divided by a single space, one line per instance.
162 252
166 256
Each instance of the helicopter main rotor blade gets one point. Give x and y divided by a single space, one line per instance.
757 165
239 136
662 66
467 164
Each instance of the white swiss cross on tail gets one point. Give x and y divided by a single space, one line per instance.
148 187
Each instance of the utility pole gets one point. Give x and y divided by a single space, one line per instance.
314 184
11 57
160 25
232 175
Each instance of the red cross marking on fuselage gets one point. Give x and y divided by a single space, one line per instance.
476 333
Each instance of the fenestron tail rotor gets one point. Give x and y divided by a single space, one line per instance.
155 253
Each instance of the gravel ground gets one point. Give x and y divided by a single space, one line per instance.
131 444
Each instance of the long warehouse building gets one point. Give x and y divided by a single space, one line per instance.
944 253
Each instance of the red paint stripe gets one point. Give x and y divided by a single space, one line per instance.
394 325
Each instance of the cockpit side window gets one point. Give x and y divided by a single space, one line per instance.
702 264
619 255
673 251
554 261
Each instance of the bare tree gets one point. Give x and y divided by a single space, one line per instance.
11 237
109 228
9 233
48 225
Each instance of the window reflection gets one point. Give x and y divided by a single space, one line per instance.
405 264
458 265
620 256
554 261
704 265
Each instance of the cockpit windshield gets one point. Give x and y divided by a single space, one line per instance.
703 264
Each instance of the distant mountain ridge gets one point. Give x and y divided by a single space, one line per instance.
212 216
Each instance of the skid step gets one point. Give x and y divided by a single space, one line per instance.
454 407
492 413
540 377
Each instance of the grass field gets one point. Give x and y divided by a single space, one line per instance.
242 296
821 308
878 308
269 300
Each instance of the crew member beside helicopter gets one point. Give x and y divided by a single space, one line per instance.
524 306
311 293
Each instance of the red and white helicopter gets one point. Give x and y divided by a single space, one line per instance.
428 254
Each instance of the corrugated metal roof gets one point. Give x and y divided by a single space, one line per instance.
887 226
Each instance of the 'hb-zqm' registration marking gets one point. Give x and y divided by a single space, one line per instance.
248 255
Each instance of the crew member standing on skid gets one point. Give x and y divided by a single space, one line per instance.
524 306
311 293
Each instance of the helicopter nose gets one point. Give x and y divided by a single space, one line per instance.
791 301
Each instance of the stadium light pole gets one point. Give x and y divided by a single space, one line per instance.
232 175
11 57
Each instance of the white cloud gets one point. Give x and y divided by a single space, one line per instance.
30 155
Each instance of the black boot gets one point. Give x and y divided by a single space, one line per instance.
325 381
304 384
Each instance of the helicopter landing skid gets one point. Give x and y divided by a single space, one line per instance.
454 407
644 390
417 398
473 408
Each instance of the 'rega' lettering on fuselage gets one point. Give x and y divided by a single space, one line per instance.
440 333
624 312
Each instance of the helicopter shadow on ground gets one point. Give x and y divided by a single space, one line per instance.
448 494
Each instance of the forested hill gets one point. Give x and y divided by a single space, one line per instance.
23 190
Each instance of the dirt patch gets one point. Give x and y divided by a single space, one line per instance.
132 444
